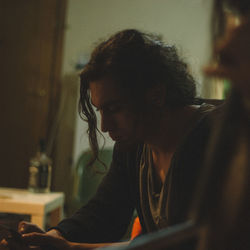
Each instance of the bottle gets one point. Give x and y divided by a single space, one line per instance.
40 171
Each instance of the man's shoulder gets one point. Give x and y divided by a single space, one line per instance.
210 112
206 115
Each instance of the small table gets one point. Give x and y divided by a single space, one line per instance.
37 205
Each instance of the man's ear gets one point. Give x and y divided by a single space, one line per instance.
156 95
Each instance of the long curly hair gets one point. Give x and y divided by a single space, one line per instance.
136 61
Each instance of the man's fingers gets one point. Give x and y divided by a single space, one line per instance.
27 227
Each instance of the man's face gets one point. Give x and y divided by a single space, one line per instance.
116 113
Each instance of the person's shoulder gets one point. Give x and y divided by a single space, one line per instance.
206 114
211 108
206 108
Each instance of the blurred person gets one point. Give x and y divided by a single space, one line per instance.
146 99
232 44
223 204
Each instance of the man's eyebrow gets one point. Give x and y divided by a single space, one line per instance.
104 105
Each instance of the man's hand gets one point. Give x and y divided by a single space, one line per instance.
43 240
27 227
37 239
10 239
58 242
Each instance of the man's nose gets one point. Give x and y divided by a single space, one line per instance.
105 123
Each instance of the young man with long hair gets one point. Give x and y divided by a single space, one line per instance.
146 99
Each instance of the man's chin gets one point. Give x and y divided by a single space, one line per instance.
126 144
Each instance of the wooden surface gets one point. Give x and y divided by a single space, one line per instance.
37 205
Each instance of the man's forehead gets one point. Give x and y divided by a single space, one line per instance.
104 92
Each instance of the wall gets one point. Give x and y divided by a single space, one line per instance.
182 22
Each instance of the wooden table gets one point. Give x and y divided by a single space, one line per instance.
37 205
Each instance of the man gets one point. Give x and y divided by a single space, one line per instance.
146 98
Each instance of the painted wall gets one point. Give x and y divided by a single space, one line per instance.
181 22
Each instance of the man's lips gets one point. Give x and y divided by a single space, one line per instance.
114 137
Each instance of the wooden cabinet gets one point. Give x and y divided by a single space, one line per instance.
31 41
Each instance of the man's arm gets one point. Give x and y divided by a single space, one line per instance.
56 241
106 217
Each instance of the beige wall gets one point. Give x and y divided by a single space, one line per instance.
181 22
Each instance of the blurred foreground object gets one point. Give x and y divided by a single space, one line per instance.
231 35
222 204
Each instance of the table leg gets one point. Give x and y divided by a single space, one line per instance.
39 220
55 216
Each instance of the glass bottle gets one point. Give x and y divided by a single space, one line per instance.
40 171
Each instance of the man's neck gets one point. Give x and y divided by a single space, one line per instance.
170 128
167 135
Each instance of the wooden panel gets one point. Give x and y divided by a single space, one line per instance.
31 47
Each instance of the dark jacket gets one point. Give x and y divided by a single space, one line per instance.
106 217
